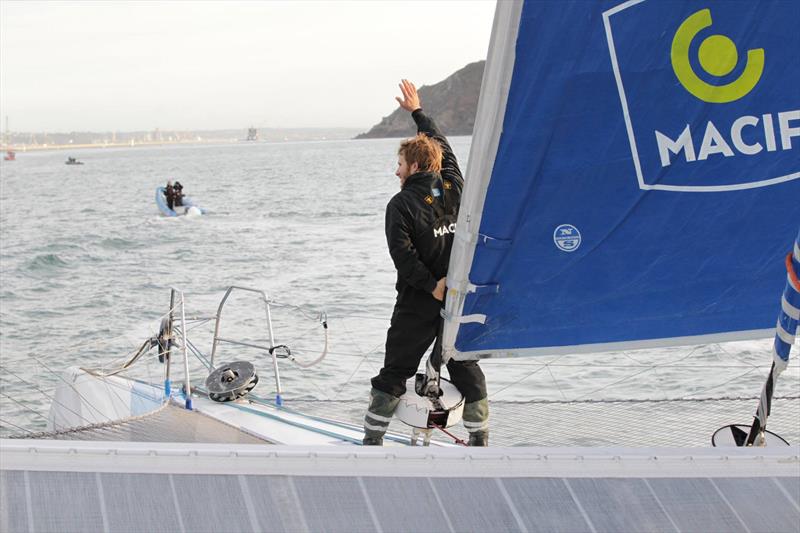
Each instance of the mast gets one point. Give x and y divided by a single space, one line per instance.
785 333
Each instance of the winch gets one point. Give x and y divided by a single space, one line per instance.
422 412
231 381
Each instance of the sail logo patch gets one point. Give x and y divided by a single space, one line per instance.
718 57
708 93
567 237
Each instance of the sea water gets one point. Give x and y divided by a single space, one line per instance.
87 262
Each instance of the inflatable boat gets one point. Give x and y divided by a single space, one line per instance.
188 207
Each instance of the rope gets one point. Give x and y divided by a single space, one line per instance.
26 431
52 399
92 427
144 348
455 439
70 385
34 411
571 402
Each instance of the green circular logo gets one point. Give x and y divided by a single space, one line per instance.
718 57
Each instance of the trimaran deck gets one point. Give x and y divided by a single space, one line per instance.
629 185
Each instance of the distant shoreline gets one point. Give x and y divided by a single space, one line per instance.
39 141
45 147
148 144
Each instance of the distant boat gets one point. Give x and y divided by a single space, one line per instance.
73 161
188 207
10 156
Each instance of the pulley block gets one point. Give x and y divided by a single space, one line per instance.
231 381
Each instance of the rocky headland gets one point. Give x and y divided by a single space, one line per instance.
452 102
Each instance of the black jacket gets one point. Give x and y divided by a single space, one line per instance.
420 221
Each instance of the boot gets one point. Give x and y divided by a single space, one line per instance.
476 421
379 414
479 438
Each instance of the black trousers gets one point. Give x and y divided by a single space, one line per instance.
413 329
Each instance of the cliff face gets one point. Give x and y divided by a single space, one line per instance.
452 103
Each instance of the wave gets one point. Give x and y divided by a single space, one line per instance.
46 262
118 243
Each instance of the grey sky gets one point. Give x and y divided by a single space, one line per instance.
78 66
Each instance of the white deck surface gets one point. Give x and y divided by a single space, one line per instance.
106 486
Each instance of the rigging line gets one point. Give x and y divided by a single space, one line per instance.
111 425
503 363
520 380
542 367
735 356
556 382
626 378
302 334
148 367
363 359
659 383
144 348
120 386
361 317
194 325
127 358
106 340
110 387
198 354
303 372
191 347
570 402
671 363
374 351
655 371
73 387
96 343
308 315
632 358
27 408
28 431
687 356
51 398
349 336
652 400
726 382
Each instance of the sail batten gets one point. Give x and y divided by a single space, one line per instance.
631 184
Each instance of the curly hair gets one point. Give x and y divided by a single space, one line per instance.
423 151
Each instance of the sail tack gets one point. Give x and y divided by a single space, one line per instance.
634 178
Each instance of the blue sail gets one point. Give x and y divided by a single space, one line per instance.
634 178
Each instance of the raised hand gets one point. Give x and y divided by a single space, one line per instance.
410 100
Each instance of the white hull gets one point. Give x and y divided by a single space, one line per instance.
97 486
